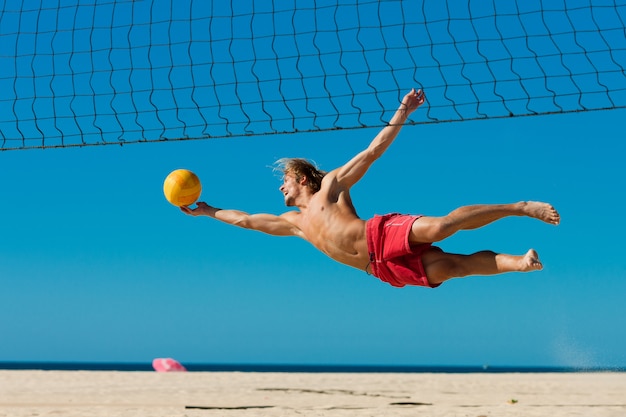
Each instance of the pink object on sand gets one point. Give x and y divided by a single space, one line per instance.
167 365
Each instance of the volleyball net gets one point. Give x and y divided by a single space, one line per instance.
93 72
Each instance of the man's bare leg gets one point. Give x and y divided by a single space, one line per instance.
433 229
441 266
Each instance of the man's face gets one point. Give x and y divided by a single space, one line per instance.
290 189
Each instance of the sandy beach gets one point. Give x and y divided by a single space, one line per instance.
104 393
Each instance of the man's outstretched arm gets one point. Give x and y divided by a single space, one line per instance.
354 170
266 223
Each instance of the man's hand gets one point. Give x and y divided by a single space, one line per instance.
202 209
412 101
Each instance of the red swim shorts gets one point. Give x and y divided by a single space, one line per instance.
392 259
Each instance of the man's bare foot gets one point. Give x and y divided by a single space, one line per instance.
530 262
542 211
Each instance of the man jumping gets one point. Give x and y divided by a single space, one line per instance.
396 248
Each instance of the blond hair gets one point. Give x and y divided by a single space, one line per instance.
300 167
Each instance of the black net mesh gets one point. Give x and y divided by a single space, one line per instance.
79 73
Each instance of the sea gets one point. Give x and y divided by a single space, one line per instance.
291 368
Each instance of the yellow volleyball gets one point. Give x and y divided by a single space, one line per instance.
182 187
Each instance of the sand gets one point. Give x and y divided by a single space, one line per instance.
100 393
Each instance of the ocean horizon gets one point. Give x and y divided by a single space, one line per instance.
300 368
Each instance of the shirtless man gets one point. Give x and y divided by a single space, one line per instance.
395 248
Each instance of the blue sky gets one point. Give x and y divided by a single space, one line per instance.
95 265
